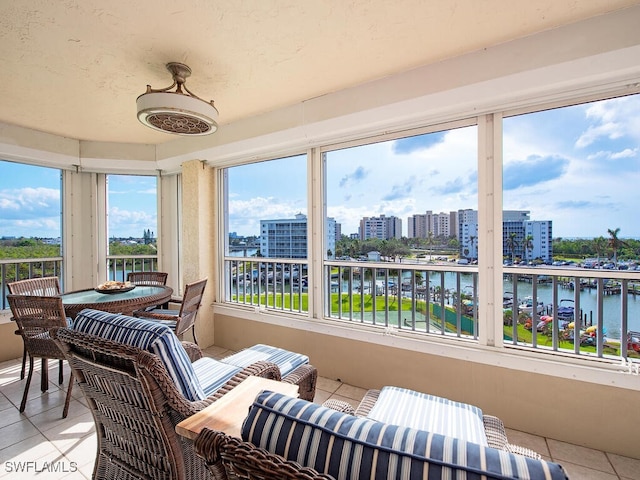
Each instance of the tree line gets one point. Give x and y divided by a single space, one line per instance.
612 247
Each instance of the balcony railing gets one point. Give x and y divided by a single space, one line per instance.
568 311
270 284
119 266
427 299
15 269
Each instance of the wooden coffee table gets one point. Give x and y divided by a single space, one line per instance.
228 413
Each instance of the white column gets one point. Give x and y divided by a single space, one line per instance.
490 229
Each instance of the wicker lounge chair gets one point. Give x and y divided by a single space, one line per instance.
45 286
35 316
136 406
183 319
224 453
284 437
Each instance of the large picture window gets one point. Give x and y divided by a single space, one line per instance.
266 234
30 222
570 196
132 224
405 210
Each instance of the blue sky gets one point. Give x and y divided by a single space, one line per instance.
577 166
132 205
30 203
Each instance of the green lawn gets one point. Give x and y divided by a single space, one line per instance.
364 304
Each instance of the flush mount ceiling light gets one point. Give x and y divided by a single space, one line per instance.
180 112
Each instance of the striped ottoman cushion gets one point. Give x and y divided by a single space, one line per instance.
213 374
348 447
147 335
407 408
286 361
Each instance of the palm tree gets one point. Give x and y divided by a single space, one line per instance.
429 242
527 245
512 244
599 245
472 241
615 243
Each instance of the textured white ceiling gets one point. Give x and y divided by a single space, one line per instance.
75 67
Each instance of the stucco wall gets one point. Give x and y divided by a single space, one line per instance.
10 344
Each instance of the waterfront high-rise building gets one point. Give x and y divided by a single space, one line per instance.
381 227
542 243
418 225
516 228
439 224
468 233
287 237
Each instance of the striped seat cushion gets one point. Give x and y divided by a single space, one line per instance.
286 361
407 408
213 374
349 447
147 335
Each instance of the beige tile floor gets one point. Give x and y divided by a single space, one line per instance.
40 444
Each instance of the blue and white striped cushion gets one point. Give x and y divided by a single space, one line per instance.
407 408
286 361
147 335
213 374
348 447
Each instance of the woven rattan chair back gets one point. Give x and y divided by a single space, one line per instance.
136 407
44 286
231 458
35 286
36 316
147 278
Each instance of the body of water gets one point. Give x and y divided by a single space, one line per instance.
612 304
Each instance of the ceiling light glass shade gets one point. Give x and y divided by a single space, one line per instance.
177 112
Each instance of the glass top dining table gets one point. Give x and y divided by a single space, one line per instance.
141 296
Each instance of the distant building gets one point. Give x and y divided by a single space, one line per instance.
338 231
516 222
542 243
418 225
468 233
287 237
374 256
439 224
381 227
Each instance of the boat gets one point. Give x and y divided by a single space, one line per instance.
527 306
565 310
543 324
507 300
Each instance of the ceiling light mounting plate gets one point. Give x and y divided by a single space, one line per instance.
179 112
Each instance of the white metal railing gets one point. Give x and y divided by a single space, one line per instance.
118 266
276 284
572 311
15 269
